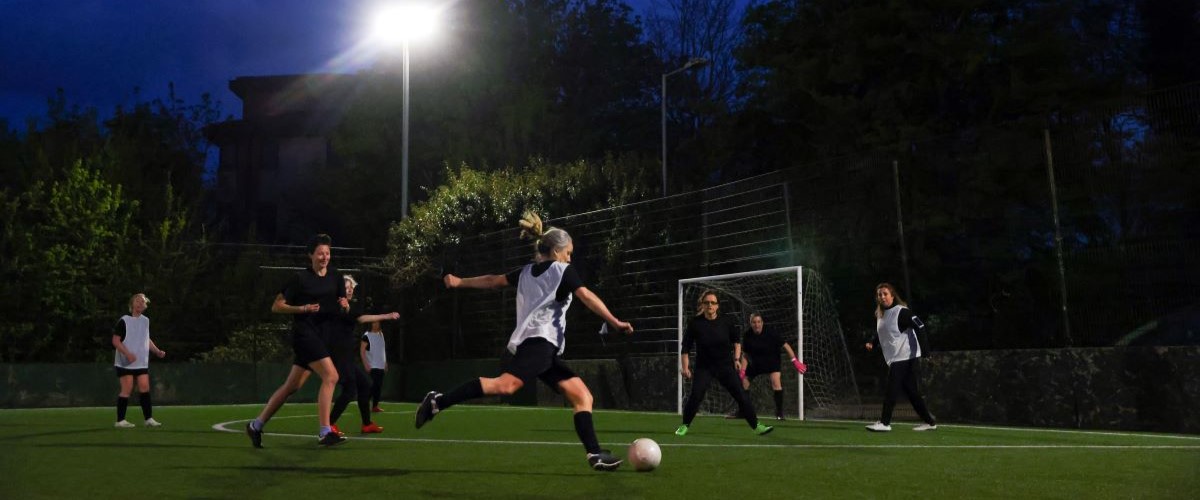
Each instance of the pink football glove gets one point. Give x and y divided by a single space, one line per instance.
800 366
742 374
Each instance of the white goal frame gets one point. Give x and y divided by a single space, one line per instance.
799 271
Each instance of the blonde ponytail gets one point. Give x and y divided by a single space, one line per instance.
531 226
545 239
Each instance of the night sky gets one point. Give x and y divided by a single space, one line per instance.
98 51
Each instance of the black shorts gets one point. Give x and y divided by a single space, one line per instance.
123 372
309 343
537 358
756 369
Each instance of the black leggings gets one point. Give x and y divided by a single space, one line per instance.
702 378
376 385
902 378
358 386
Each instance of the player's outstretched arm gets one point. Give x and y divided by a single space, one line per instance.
597 306
486 281
371 318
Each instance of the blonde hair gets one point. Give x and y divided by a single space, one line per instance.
134 297
700 299
895 298
545 241
350 279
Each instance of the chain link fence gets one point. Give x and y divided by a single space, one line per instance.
1076 229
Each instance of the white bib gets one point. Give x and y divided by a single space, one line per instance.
896 345
137 340
538 314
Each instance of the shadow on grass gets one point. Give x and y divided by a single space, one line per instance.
130 445
101 431
353 472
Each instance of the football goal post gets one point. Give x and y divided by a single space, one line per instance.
793 301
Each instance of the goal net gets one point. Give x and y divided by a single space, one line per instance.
795 302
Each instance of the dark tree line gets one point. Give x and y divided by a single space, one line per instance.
95 209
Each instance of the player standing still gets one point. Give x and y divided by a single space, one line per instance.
131 338
760 347
373 351
715 338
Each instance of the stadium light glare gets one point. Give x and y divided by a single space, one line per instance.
398 25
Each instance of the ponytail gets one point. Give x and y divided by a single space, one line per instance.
545 241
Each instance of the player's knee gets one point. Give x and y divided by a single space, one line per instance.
509 387
583 402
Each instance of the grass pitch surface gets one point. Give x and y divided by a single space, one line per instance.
530 453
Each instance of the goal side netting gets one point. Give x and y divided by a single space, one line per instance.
795 302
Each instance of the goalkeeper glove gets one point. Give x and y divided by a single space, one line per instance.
800 366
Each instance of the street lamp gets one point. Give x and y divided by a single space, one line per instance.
400 24
694 62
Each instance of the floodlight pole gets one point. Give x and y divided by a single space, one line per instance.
404 140
694 62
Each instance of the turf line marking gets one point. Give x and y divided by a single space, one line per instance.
970 426
222 428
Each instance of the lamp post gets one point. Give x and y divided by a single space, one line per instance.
400 24
404 140
694 62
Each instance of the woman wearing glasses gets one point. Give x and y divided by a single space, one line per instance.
718 348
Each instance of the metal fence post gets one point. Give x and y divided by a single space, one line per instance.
1058 240
900 229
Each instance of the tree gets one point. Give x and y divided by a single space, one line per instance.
473 202
65 244
703 104
553 79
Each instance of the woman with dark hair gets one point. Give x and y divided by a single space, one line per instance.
718 348
897 328
761 346
314 297
545 288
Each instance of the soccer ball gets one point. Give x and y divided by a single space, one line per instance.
644 454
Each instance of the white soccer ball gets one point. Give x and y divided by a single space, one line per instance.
644 454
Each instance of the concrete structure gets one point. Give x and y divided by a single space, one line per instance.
285 130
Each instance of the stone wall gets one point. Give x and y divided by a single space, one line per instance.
1128 388
91 384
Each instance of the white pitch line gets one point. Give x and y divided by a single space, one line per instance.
965 426
222 428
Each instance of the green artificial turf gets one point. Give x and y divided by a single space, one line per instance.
512 452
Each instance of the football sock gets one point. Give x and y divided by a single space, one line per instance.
122 405
147 410
339 406
779 402
364 406
325 429
586 431
256 425
465 392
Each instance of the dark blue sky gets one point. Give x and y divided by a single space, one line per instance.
99 50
